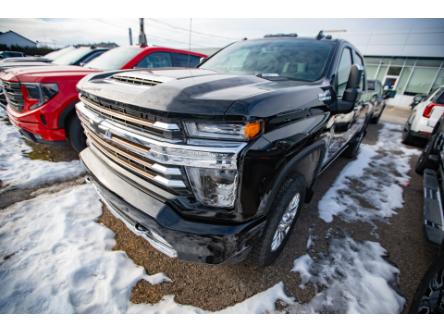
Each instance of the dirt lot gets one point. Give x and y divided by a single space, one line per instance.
216 287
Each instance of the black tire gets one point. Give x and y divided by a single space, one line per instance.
262 252
427 159
429 297
407 137
353 147
76 135
375 120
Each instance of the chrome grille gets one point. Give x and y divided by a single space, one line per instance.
131 155
13 94
132 118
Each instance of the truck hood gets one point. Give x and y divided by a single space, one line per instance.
40 73
198 91
13 64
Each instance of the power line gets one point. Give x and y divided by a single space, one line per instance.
194 31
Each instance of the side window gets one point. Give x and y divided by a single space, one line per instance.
440 97
156 59
184 60
343 71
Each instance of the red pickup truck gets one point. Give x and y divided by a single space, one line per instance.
41 100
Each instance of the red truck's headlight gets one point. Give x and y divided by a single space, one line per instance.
37 94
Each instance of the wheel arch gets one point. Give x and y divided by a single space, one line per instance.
306 163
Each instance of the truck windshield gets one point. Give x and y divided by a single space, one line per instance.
291 58
72 57
115 58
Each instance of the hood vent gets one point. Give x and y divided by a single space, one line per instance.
135 80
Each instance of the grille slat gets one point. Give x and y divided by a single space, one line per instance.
13 95
130 118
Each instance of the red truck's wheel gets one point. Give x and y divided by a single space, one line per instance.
76 135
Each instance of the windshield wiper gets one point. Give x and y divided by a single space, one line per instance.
273 77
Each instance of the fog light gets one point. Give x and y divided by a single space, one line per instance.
213 187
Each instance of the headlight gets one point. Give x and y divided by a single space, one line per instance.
213 187
37 94
232 131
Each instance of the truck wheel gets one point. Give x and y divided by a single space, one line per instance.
353 148
426 159
286 208
429 297
76 136
375 120
407 137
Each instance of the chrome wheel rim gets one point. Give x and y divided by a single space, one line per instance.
285 223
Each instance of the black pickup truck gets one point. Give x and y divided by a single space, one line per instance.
213 163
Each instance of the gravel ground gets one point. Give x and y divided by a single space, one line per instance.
216 287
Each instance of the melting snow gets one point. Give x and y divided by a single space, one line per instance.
17 170
370 187
353 277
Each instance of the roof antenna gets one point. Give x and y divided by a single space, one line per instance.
320 35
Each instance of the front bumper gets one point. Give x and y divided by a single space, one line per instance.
165 229
33 129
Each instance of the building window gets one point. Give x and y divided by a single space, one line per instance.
439 80
394 70
421 81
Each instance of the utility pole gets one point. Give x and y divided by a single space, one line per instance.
142 36
189 36
130 33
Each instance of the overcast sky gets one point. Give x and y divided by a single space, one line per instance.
209 33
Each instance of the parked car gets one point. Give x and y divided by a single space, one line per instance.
41 99
214 163
49 57
376 99
419 126
72 56
10 54
429 297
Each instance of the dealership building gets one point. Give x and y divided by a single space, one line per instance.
409 62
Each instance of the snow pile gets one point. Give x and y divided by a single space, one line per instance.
353 278
370 188
17 170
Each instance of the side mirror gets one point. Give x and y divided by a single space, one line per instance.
352 91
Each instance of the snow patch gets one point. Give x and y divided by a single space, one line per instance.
370 188
353 278
54 257
19 171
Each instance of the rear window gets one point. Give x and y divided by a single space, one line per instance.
371 85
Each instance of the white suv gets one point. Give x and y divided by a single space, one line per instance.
424 117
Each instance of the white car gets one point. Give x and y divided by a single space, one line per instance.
424 117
